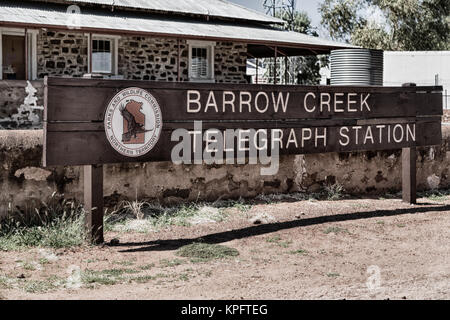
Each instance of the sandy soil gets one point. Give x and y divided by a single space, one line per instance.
349 249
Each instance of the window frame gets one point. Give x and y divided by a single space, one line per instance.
209 46
114 42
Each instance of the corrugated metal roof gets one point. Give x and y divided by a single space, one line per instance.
211 8
134 23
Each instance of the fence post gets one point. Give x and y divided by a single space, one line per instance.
409 170
93 203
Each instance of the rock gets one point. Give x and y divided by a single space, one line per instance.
433 182
114 242
300 215
262 218
256 221
21 276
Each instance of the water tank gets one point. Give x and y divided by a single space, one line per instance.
362 67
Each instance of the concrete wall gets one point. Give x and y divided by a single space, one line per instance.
24 184
12 96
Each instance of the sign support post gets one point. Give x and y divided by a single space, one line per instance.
409 192
93 203
409 171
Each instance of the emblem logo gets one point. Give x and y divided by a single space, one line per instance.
133 122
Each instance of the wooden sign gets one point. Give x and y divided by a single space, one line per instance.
308 119
95 122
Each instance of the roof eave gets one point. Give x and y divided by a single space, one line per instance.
312 48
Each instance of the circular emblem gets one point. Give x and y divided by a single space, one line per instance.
133 122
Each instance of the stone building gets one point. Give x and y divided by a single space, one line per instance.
194 40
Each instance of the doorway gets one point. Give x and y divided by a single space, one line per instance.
13 57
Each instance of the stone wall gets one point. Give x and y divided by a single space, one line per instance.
25 184
230 62
65 54
140 58
147 58
62 54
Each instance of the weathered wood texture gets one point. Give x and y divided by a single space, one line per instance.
93 203
75 110
409 175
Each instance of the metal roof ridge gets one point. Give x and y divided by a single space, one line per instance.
265 19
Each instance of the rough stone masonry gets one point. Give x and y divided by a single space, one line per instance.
25 184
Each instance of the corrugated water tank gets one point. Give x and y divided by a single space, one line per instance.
357 67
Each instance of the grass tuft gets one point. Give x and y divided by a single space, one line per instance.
436 195
151 218
334 192
58 224
166 263
206 252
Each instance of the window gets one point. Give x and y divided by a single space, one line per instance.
201 63
104 53
102 56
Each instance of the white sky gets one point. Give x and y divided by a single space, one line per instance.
310 6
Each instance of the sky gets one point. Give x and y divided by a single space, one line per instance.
310 6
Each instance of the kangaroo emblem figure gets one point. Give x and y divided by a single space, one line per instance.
133 127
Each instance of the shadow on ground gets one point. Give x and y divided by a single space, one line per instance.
215 238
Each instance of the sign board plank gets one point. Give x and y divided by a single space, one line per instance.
184 101
84 147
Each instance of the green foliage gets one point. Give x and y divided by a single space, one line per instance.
389 24
341 18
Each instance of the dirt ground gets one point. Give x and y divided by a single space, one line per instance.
347 249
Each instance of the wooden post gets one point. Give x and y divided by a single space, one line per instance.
257 70
27 66
91 43
275 66
178 61
409 175
409 171
286 73
93 203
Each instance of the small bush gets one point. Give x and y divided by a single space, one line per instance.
334 191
